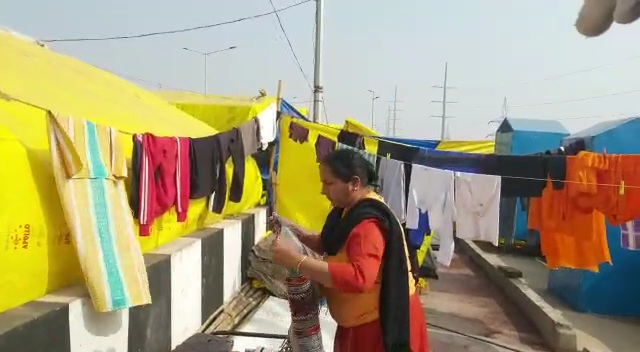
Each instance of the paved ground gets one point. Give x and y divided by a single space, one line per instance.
464 300
595 333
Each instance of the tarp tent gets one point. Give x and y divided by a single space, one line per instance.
222 112
613 290
36 251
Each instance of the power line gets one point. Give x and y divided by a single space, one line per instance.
577 99
175 31
293 52
554 77
558 102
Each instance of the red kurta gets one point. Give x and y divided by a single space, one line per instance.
364 249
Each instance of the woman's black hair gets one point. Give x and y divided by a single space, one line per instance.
345 164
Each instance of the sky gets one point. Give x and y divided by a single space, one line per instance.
527 51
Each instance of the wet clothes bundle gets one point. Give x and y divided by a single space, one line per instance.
161 177
208 173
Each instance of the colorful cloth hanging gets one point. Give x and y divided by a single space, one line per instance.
89 169
304 303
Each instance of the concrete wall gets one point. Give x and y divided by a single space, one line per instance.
190 278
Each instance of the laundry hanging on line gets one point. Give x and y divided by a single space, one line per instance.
89 169
529 176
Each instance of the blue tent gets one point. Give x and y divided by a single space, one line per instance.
614 290
521 137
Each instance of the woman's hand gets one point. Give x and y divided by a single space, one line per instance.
277 222
284 254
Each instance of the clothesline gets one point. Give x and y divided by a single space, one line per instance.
622 186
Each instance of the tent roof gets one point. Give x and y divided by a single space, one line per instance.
532 125
184 97
601 127
44 78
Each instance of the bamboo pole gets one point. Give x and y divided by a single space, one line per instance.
272 159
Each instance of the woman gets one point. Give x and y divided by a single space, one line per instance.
366 275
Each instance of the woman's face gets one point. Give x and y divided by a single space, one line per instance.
338 192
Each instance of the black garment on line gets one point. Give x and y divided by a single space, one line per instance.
522 175
394 291
556 166
208 174
351 139
134 195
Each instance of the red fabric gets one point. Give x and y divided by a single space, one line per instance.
364 247
368 337
164 178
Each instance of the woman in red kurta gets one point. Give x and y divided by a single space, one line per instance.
366 276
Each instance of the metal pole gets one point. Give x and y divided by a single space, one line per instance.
388 121
317 70
206 56
395 110
444 103
373 102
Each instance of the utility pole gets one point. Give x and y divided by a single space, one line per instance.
373 106
444 103
388 124
206 55
504 113
394 118
317 70
395 110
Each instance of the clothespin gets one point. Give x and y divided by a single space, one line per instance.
621 188
388 155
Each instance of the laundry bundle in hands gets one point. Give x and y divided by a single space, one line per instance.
597 16
261 266
263 269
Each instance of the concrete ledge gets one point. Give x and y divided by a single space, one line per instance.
555 329
189 279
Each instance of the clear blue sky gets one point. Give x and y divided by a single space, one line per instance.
492 46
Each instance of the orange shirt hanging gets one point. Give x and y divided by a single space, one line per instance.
572 230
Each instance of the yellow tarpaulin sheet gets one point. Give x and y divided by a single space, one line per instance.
219 111
476 147
36 254
355 126
298 196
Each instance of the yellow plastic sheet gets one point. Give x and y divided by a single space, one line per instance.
355 126
36 253
475 147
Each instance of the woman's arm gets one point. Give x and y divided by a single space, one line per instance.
311 240
364 248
